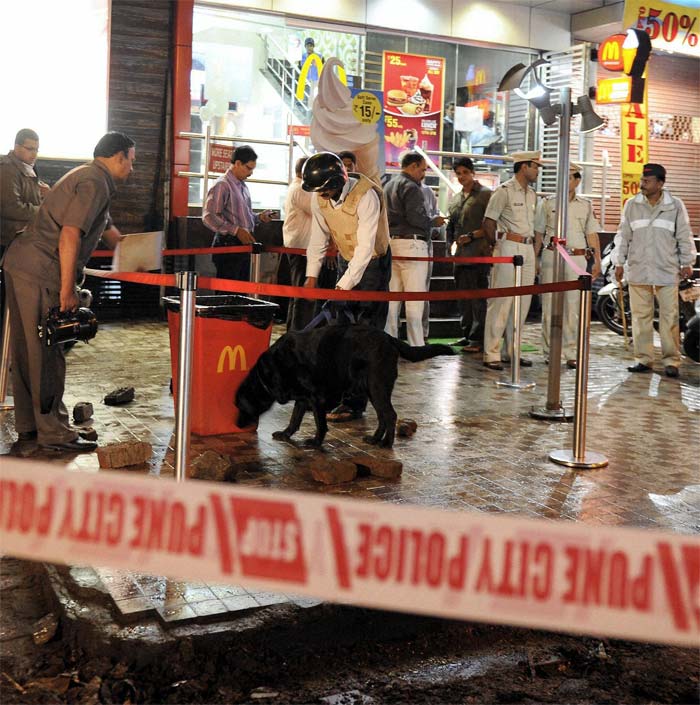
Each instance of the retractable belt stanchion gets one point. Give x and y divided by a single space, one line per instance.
6 403
515 382
578 458
187 283
255 264
554 410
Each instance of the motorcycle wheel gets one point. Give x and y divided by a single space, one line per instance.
608 312
691 339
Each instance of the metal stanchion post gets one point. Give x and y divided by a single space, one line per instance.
255 264
554 410
578 458
515 381
6 403
187 283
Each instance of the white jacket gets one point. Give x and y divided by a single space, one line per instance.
654 241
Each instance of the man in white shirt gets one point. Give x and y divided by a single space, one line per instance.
348 211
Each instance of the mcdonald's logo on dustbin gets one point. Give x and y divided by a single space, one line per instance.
234 355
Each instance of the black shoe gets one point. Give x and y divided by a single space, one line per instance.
76 446
524 362
461 342
493 365
671 371
26 436
639 367
123 395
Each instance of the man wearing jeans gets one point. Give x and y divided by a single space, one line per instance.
410 228
655 241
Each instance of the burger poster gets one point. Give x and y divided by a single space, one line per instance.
414 87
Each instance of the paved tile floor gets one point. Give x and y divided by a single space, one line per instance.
476 448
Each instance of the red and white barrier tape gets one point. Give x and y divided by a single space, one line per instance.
243 287
562 576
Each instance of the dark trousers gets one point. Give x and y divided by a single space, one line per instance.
473 311
301 311
376 278
373 313
231 266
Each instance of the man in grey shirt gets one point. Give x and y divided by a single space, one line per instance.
42 266
410 229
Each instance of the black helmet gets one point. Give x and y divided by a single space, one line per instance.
323 172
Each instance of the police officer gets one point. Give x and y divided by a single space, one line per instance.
42 265
509 223
581 242
349 211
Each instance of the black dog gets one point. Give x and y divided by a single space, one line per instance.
316 369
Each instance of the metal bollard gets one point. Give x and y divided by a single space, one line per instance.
515 382
5 403
187 283
255 264
578 458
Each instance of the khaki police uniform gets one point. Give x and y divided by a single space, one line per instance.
513 208
80 199
580 222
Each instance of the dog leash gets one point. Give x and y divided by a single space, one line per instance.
325 314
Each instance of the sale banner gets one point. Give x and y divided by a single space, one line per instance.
414 89
671 27
634 126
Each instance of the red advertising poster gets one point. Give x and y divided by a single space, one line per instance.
413 97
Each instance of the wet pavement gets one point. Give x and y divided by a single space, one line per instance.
476 447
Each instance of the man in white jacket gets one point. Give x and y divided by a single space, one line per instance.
654 240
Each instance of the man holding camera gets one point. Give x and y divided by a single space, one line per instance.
42 266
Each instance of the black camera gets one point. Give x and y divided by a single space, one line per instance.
68 326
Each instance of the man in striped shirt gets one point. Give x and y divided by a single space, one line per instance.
229 213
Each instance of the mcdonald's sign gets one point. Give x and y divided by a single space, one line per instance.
304 74
234 356
610 53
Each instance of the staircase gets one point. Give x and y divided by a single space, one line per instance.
284 77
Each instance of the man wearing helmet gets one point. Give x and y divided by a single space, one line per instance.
349 211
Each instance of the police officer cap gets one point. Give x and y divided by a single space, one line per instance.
535 157
654 170
323 172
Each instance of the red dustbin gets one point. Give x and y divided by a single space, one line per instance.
230 334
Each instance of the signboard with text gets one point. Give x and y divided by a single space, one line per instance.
671 27
413 97
220 157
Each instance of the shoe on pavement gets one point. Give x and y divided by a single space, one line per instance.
77 445
26 436
461 342
639 367
571 364
344 413
671 371
494 365
472 348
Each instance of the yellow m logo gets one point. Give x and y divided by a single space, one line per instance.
611 51
234 355
303 75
